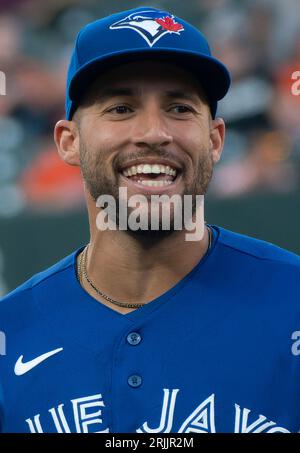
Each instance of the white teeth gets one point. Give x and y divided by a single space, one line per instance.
147 168
155 183
155 169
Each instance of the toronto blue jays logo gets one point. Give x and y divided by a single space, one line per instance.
88 414
151 25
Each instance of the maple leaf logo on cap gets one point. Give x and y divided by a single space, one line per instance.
169 24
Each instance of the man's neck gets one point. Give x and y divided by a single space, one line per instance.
128 272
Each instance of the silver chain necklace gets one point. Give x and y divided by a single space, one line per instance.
83 271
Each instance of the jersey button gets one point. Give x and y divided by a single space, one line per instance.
134 380
134 338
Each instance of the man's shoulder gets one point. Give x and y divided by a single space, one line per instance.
261 275
41 281
250 248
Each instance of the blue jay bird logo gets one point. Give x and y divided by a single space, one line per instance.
151 25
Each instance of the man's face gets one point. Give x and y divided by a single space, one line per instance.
141 114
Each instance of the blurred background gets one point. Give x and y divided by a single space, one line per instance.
256 187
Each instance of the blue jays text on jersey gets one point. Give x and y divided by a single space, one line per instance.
212 354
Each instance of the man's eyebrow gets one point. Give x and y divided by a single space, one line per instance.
107 93
183 95
114 92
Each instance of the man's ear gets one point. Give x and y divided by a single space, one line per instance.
217 137
66 137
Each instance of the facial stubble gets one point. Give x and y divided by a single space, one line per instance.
99 182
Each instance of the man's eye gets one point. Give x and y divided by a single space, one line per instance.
120 109
182 108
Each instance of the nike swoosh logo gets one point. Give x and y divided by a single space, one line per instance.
23 367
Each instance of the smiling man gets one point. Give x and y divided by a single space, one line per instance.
142 330
163 126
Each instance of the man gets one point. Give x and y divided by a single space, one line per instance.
142 330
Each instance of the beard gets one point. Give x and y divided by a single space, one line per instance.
99 182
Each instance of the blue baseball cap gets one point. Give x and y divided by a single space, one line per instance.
137 35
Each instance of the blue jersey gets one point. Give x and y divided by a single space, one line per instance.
218 352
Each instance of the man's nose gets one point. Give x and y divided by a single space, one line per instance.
151 129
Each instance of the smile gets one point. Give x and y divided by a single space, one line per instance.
151 175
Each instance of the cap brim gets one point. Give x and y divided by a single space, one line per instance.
211 73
